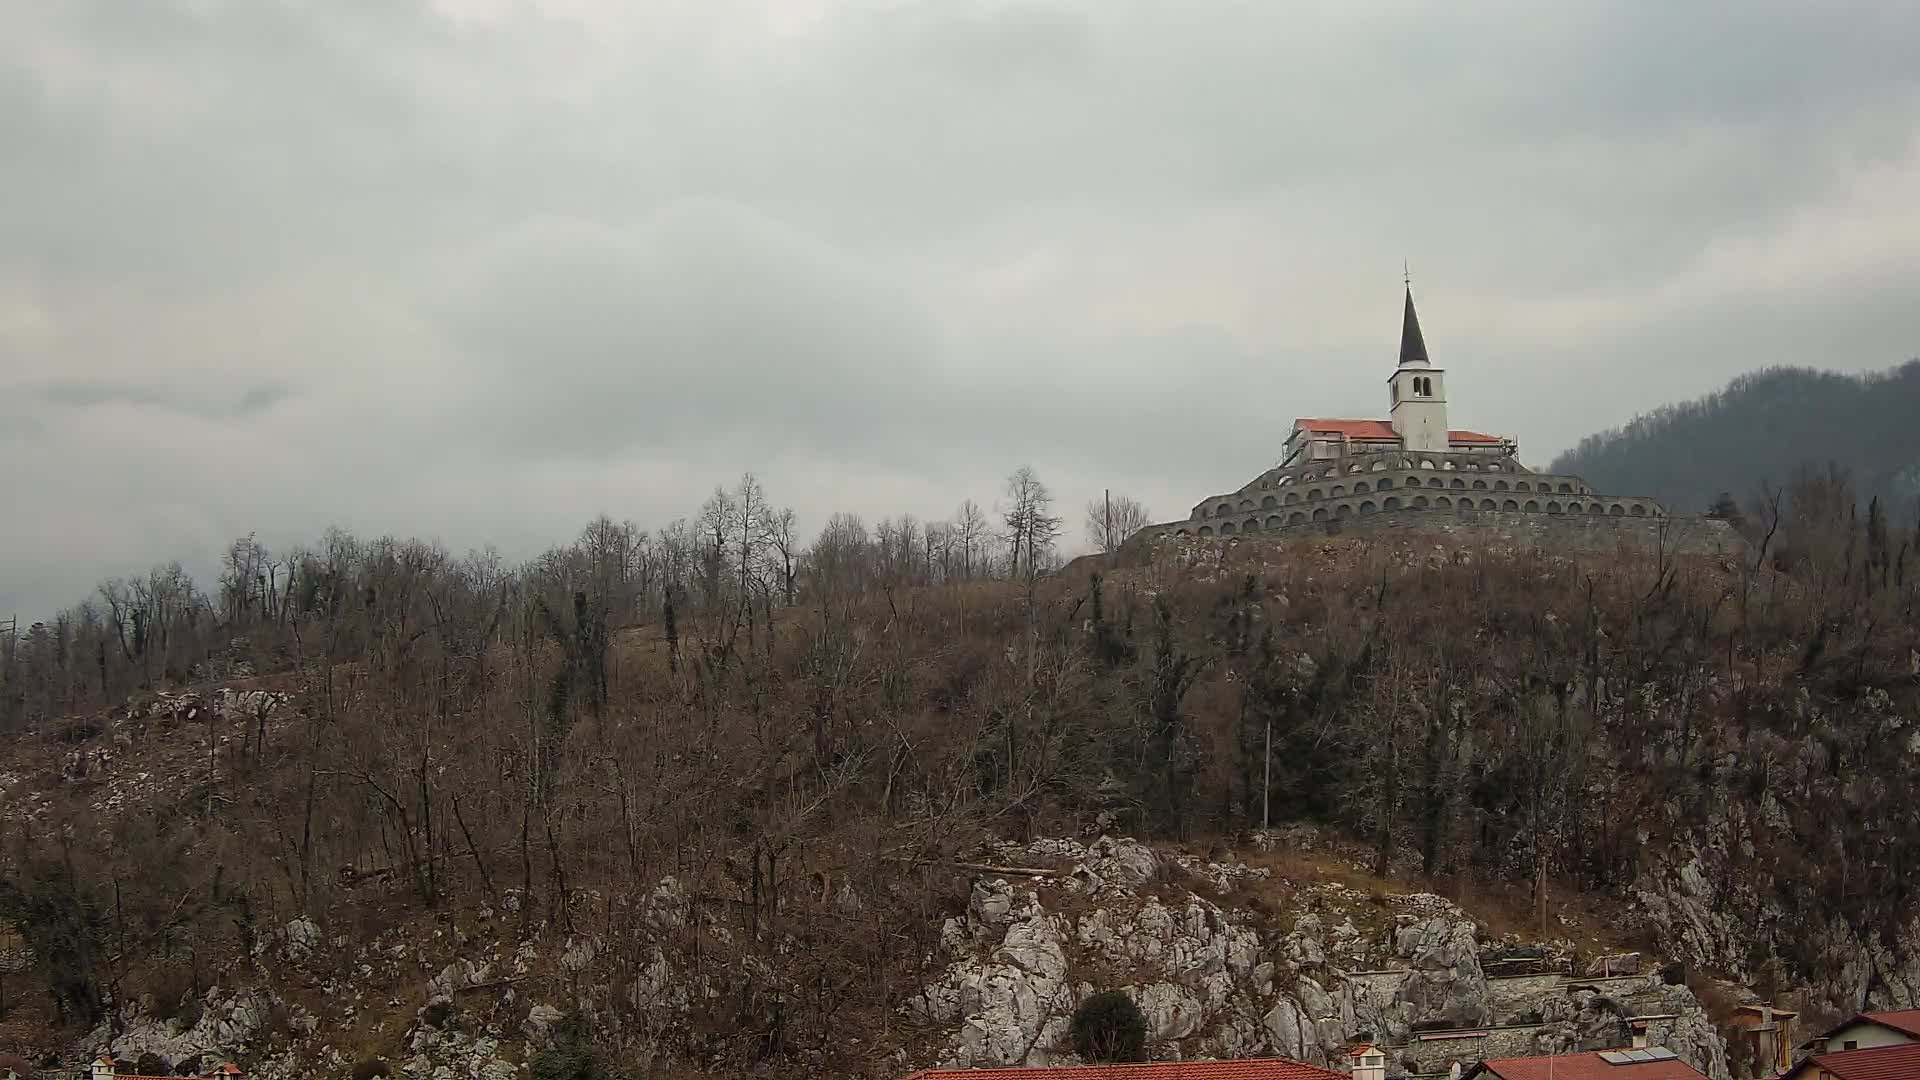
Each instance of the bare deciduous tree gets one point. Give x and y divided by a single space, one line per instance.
1112 519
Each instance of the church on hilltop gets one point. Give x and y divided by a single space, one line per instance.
1413 469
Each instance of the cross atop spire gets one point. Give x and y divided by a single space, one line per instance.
1413 347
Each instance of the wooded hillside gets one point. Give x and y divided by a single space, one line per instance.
1757 432
767 724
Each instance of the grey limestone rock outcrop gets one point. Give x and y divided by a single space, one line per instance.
1211 983
229 1024
1445 983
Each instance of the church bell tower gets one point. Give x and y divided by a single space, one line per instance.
1419 391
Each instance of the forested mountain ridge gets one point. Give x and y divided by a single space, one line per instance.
1755 434
725 803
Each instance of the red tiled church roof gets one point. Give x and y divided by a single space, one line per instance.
1900 1062
1352 429
1588 1066
1471 436
1379 429
1244 1069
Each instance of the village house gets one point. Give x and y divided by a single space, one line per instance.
1767 1035
1900 1061
1870 1030
1651 1063
105 1067
1240 1069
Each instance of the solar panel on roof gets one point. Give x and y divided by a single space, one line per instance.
1661 1053
1614 1057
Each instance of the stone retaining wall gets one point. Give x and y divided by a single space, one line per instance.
1570 532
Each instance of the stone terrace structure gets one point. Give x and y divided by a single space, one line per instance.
1411 465
1371 481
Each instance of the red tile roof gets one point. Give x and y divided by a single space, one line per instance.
1380 429
1907 1020
1900 1062
1472 436
1588 1066
1352 429
1243 1069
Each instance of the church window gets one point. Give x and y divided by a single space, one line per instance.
1480 485
1419 502
1566 489
1269 501
1510 505
1435 482
1292 497
1425 464
1320 514
1380 465
1338 491
1392 503
1314 494
1443 502
1224 508
1487 504
1500 485
1638 510
1296 518
1343 510
1226 528
1533 506
1246 504
1385 483
1206 530
1553 507
1355 468
1617 510
1274 522
1367 507
1252 525
1459 483
1520 485
1360 488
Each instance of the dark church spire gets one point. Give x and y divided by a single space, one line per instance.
1413 347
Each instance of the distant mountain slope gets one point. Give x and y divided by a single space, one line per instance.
1759 430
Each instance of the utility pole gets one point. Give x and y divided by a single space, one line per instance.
1106 538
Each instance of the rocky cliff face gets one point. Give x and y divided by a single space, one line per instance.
1215 982
1216 971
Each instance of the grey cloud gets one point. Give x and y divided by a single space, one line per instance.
85 395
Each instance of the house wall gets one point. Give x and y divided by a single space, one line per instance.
1868 1036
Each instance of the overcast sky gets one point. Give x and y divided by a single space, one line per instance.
481 269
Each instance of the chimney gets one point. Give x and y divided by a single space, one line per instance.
1640 1035
1368 1062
